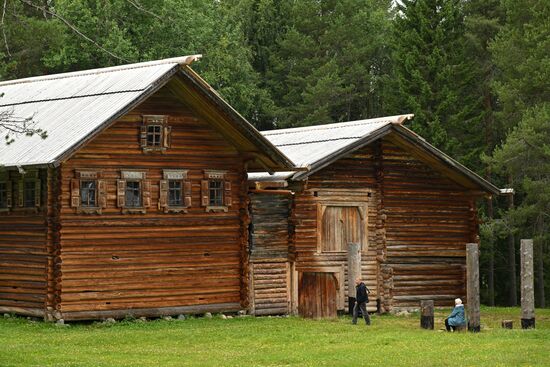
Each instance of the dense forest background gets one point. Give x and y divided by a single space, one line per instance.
476 73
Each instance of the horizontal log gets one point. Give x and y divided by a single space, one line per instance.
150 312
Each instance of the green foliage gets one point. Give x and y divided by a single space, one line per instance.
390 341
433 77
521 51
327 62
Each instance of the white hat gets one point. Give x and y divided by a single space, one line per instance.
458 301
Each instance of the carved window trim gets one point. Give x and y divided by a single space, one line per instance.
76 187
31 176
177 175
150 121
144 187
216 175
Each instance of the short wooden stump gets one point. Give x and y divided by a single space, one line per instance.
507 324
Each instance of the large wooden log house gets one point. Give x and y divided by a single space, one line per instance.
135 203
410 207
138 203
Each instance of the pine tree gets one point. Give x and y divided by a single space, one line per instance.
521 52
328 64
433 77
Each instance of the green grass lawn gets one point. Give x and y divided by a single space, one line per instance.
390 341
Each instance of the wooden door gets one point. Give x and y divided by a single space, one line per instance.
341 225
317 295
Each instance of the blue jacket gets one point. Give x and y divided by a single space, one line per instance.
456 318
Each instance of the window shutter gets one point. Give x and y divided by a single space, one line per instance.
143 136
9 194
20 192
37 194
187 194
166 141
120 193
102 193
75 193
146 193
227 193
163 193
205 197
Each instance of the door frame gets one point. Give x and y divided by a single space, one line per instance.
339 274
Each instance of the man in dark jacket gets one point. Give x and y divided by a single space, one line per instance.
361 300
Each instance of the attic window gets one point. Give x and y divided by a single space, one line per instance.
155 133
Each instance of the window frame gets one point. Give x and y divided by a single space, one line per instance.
164 134
226 197
96 194
144 192
215 194
180 176
139 196
83 175
32 177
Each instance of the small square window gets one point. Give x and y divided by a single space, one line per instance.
215 192
3 195
175 197
154 136
133 194
29 194
88 194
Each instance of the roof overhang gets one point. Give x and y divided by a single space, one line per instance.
421 149
259 153
199 96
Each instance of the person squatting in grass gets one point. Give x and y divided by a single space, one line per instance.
361 300
456 318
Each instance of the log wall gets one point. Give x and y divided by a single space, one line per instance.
336 183
429 220
114 264
23 254
269 254
418 225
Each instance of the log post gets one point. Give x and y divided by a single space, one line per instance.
354 271
527 285
427 314
472 273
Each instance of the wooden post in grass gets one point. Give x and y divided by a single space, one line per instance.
427 314
527 285
472 273
354 271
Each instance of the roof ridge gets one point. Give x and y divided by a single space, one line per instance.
336 125
181 60
318 141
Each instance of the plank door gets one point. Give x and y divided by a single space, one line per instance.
317 295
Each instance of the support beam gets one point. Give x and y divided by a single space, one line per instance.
527 285
354 271
472 273
427 314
